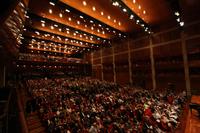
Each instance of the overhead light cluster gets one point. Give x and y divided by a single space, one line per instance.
15 23
48 46
132 15
178 18
72 32
86 23
61 39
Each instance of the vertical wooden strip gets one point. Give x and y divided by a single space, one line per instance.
129 63
153 72
101 54
114 70
185 63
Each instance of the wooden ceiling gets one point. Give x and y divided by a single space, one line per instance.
76 26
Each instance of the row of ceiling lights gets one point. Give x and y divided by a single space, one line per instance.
54 47
65 40
178 18
103 29
74 33
132 15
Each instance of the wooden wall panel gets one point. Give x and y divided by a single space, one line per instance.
108 60
97 72
165 37
107 51
108 74
96 54
144 42
96 61
121 47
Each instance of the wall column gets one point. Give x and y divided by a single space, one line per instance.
185 63
153 72
114 72
101 54
2 75
129 63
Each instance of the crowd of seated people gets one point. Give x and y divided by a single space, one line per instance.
93 106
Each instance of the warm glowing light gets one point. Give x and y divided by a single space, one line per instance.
52 27
50 11
69 19
134 1
115 21
78 22
60 29
139 7
67 10
144 12
84 3
108 17
51 3
60 14
93 8
43 25
119 23
124 10
92 28
102 13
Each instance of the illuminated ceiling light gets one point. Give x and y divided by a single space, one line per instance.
137 21
132 16
81 16
67 32
81 36
84 3
67 10
42 21
102 13
43 25
139 7
50 11
78 22
67 28
91 21
178 20
115 3
144 12
98 30
74 34
55 25
60 14
124 10
76 31
108 17
69 19
51 3
93 8
177 13
52 27
119 23
60 29
103 32
134 1
115 21
92 28
181 24
85 25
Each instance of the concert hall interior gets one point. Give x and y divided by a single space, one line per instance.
99 66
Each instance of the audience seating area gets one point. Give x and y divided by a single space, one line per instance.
89 105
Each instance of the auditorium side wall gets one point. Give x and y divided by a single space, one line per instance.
170 56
